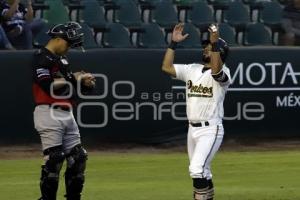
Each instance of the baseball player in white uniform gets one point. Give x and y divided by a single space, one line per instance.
206 86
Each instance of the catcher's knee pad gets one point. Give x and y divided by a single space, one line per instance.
54 157
74 176
201 188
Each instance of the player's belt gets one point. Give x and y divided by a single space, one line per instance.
58 107
64 108
200 124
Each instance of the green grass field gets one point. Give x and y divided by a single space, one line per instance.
161 175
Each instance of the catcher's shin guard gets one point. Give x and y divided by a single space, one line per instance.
210 192
200 188
50 172
74 175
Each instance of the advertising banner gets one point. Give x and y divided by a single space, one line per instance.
135 102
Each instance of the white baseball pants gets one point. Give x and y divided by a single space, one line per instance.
203 143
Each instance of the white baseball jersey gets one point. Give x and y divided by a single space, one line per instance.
204 95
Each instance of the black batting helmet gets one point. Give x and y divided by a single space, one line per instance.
224 49
70 31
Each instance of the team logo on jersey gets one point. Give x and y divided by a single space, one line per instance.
64 61
42 72
189 84
199 90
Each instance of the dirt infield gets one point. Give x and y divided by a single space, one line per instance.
33 150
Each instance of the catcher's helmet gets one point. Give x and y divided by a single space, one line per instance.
70 31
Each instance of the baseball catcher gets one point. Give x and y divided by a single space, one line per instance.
54 87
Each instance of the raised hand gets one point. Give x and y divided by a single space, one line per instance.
177 33
214 33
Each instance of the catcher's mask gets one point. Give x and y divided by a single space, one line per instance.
70 32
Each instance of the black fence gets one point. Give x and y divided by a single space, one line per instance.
136 102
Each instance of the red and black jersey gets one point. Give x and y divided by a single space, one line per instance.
46 67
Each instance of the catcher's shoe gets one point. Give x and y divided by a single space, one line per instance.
75 197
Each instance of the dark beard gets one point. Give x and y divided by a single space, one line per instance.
205 59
